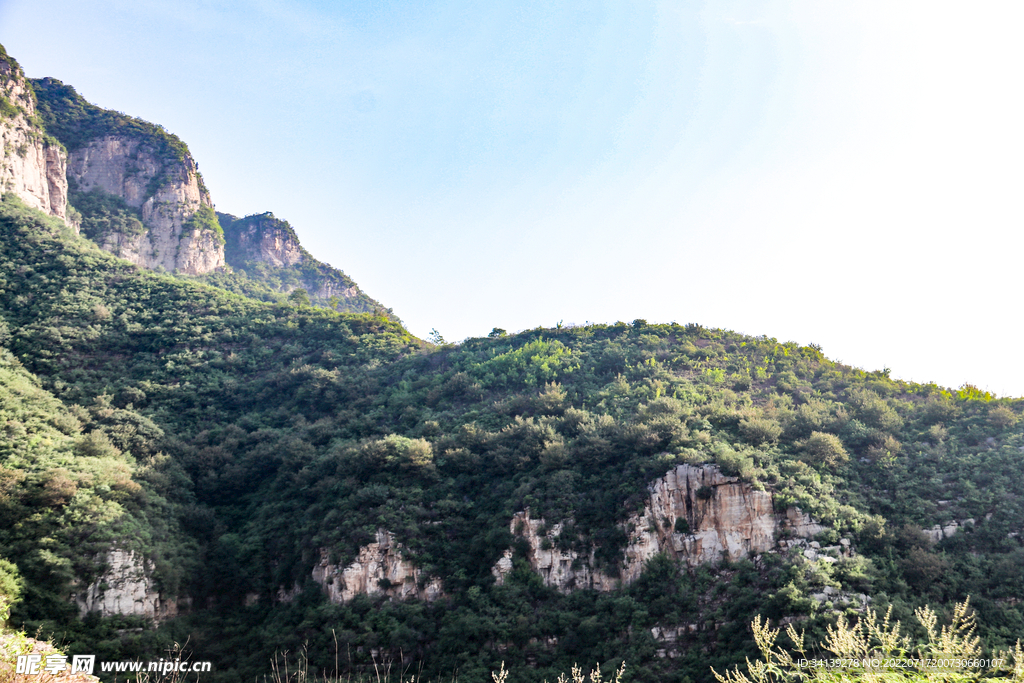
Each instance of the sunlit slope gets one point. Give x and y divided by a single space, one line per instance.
282 432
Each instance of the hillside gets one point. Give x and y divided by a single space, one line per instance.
249 449
212 437
268 261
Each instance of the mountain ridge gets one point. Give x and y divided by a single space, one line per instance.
208 456
266 249
134 188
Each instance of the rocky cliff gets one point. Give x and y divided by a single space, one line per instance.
137 192
148 169
266 249
379 568
695 514
262 238
32 165
125 588
166 193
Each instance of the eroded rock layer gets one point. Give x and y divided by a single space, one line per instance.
167 193
32 166
379 568
695 514
125 588
147 168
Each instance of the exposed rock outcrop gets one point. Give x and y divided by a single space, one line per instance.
148 168
129 167
940 532
126 588
267 249
262 238
562 568
379 568
31 166
695 514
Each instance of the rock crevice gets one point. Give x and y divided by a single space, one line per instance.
125 588
32 166
378 569
694 514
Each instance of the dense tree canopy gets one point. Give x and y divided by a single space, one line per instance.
228 439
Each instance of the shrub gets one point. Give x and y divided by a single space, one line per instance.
759 430
825 448
1002 417
706 492
10 588
299 297
885 450
874 640
8 110
205 220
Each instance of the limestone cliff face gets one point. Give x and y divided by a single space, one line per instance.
144 165
948 530
721 518
129 167
565 569
328 289
262 238
267 249
126 588
379 568
30 166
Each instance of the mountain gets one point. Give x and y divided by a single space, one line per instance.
136 191
255 476
137 186
265 250
33 164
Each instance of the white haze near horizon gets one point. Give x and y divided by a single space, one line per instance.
843 173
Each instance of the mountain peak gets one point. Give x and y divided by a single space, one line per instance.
266 249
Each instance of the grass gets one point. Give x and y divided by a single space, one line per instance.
873 650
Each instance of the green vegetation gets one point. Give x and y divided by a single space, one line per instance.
9 70
205 220
229 439
10 64
10 588
254 276
870 649
105 216
74 122
8 110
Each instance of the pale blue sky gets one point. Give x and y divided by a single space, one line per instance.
845 173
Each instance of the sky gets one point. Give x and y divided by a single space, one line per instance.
841 173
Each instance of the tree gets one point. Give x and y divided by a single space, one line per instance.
300 297
825 448
10 588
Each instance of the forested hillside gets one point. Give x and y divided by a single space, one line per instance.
237 445
269 263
